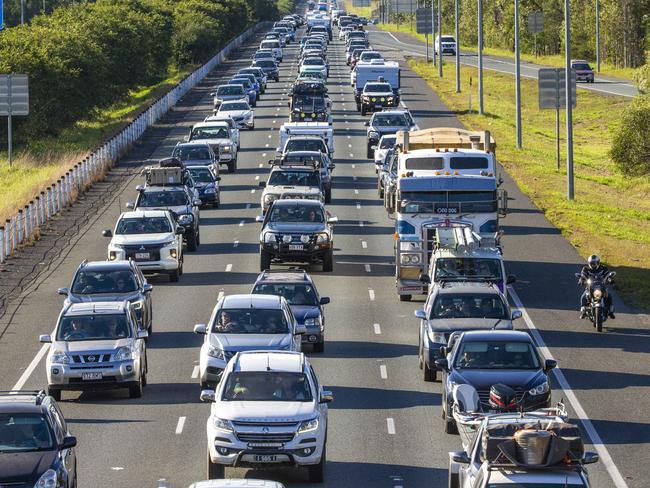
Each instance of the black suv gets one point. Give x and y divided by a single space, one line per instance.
387 122
297 287
37 449
310 108
376 95
297 231
112 281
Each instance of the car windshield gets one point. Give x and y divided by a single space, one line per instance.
307 214
464 268
245 82
143 225
377 88
250 321
496 355
24 432
309 101
386 142
305 145
210 133
192 153
266 63
230 90
163 199
294 178
388 120
201 175
265 54
469 306
250 71
453 202
448 39
103 281
302 159
295 294
582 67
263 386
313 62
225 107
426 163
93 328
369 56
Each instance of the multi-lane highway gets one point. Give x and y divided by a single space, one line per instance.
385 428
412 47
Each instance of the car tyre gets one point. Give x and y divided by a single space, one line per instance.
319 347
380 189
363 110
453 481
192 241
175 275
369 152
217 202
328 194
328 261
317 471
215 471
56 394
265 260
450 426
405 298
428 374
232 166
135 391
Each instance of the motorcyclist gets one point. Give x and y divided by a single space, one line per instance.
597 272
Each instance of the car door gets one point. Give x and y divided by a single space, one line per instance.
322 407
139 343
68 456
295 338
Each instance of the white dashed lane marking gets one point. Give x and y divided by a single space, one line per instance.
180 425
390 424
371 294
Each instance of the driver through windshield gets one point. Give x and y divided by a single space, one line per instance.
250 321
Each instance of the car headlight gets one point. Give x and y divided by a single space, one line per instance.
410 259
312 322
49 479
60 357
437 337
304 238
322 238
270 238
540 389
373 134
185 219
138 304
226 148
216 353
210 189
366 98
122 354
286 239
222 424
308 425
598 294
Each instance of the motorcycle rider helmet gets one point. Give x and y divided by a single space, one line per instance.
594 261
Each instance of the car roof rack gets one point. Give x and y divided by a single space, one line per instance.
39 395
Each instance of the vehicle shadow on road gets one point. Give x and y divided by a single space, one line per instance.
154 394
364 350
356 398
212 278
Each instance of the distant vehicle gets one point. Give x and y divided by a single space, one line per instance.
448 45
239 111
269 67
207 183
584 72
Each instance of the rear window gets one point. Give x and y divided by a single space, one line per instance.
270 44
468 163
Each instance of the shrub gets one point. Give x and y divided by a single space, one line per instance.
631 144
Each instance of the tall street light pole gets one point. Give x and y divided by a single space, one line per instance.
480 57
598 36
569 107
457 50
517 76
440 38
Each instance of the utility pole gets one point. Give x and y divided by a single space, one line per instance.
598 36
569 107
517 76
457 50
433 34
440 37
480 57
22 12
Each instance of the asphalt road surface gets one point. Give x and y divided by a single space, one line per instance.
410 46
385 427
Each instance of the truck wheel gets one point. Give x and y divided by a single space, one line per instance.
192 241
317 471
328 261
215 471
265 260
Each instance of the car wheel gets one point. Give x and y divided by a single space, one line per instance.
369 152
215 471
217 202
192 241
405 298
265 260
328 261
174 275
317 471
428 374
232 166
328 194
56 394
363 110
450 426
454 482
144 377
252 126
180 268
380 189
135 391
319 347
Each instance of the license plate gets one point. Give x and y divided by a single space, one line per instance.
266 458
295 247
378 106
91 376
142 255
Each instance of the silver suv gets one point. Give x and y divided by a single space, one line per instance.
245 322
96 346
268 411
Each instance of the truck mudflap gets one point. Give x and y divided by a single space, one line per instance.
411 260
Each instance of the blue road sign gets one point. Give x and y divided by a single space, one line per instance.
2 14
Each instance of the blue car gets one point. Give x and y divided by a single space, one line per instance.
252 79
248 88
297 287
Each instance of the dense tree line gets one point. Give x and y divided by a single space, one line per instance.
86 55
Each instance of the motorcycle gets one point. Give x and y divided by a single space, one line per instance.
596 290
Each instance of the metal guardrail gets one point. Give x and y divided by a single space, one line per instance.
64 191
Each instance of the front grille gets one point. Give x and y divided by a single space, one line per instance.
484 395
91 358
270 437
153 250
91 366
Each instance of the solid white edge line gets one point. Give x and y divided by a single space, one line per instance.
180 425
30 369
390 424
597 442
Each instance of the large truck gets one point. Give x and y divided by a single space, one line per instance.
375 70
455 184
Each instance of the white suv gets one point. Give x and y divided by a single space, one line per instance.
268 411
245 322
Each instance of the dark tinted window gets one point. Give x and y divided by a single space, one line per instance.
305 145
377 88
496 355
469 306
93 328
386 142
104 281
294 178
210 132
387 120
424 163
202 175
230 90
295 294
581 67
267 387
192 153
250 321
162 199
143 225
468 163
22 432
281 213
463 268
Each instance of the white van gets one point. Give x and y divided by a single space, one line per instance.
275 46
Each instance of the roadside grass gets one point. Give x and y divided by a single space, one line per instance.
610 215
40 162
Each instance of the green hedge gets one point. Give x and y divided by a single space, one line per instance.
631 144
88 55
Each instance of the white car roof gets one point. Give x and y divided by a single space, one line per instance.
541 477
237 483
135 214
286 361
211 123
95 308
251 301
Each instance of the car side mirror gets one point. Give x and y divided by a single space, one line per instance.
45 339
324 300
207 396
180 231
63 291
590 458
442 364
186 138
424 278
443 351
516 314
510 279
326 396
143 334
460 457
332 166
147 288
420 314
217 178
367 123
374 148
107 233
300 329
200 329
550 364
130 205
69 442
262 184
332 220
259 218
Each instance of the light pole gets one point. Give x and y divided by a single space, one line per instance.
440 37
480 57
598 36
433 28
517 76
569 107
22 12
457 50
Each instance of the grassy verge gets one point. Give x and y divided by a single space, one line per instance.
610 215
42 161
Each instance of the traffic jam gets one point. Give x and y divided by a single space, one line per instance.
441 191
